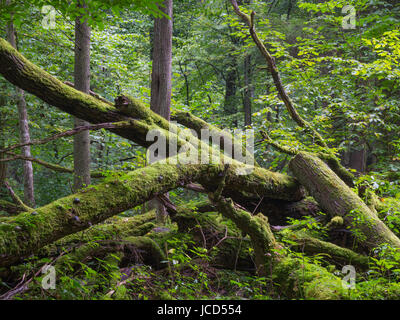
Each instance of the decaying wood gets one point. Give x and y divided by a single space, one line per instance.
294 276
337 199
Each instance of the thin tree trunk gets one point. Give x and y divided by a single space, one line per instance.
289 10
248 91
185 76
82 157
29 196
3 165
230 90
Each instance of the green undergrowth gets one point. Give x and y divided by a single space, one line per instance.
188 275
188 270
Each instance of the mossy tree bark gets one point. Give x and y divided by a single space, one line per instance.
337 199
135 249
335 254
295 278
24 234
198 125
115 228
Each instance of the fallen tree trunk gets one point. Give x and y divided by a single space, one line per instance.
192 122
337 199
115 228
24 74
29 231
277 211
24 234
333 253
135 249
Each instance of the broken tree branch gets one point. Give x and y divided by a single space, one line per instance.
16 199
48 165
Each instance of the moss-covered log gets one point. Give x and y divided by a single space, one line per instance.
133 249
294 277
257 228
337 199
24 74
228 249
277 211
195 123
299 279
333 253
115 228
26 233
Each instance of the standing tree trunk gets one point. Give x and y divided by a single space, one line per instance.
162 64
161 81
230 106
29 195
82 83
289 10
161 78
358 158
3 165
248 91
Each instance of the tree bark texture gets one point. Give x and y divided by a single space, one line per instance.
162 63
82 157
29 194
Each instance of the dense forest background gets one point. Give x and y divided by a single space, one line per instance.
343 81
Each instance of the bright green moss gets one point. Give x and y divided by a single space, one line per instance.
304 280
